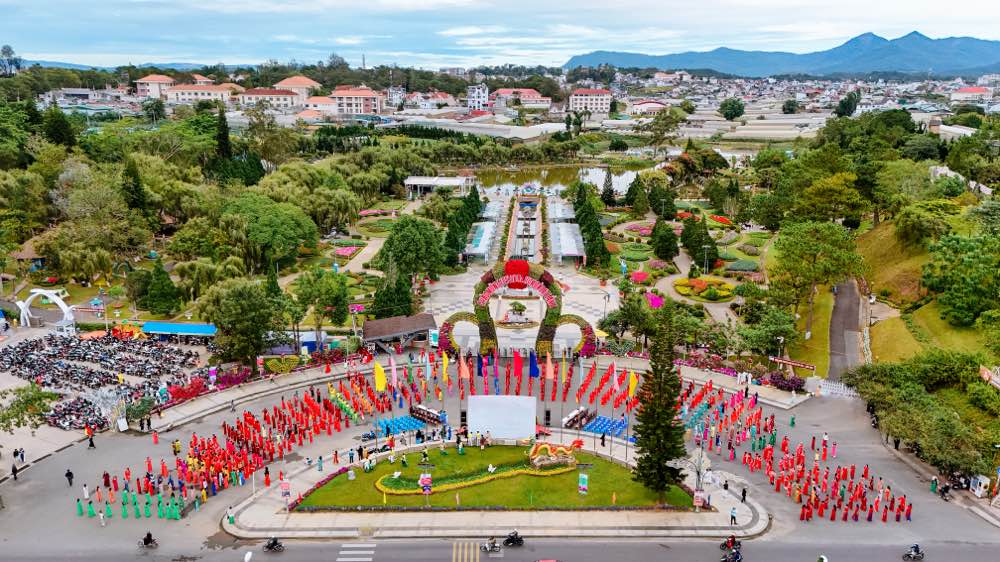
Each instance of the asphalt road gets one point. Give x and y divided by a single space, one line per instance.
563 551
844 332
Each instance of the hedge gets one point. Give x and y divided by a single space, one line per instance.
742 265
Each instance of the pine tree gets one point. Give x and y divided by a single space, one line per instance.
271 286
640 203
608 193
132 190
162 296
633 189
661 201
223 148
57 128
393 299
659 437
664 241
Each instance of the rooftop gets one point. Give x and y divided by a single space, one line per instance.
297 81
396 326
156 78
268 92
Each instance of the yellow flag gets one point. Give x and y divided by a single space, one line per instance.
562 372
385 500
379 377
444 367
633 381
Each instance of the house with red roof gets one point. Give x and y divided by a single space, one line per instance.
974 94
429 100
357 100
594 100
648 107
528 98
193 93
153 86
200 80
301 85
274 97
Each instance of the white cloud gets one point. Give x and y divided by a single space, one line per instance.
320 6
465 30
349 40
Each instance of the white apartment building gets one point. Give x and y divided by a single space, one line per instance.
528 98
394 96
153 86
594 100
277 98
200 80
477 97
321 104
301 85
192 93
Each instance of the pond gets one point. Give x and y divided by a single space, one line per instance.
558 177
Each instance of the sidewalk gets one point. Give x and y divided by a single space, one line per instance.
262 515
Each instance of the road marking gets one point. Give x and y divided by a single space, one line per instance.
355 552
341 559
358 545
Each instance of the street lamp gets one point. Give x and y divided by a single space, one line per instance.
607 297
705 254
698 465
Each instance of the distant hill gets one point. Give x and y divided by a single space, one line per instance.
913 52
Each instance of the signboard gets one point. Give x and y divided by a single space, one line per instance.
792 362
425 483
528 281
699 498
286 489
584 483
433 336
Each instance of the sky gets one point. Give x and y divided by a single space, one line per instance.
443 33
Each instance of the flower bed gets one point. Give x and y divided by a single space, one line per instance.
742 265
411 488
635 256
728 237
375 212
705 289
655 301
642 229
588 342
657 265
786 382
721 220
640 277
346 251
322 482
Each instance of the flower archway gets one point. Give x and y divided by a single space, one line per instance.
517 274
588 339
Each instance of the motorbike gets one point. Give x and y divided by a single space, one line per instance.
944 492
731 557
274 545
513 540
487 547
724 545
910 555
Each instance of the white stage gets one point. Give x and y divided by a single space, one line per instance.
505 417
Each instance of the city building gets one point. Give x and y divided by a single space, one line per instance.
200 80
528 98
153 86
429 100
275 97
322 104
647 107
356 100
477 97
301 85
395 96
974 94
454 71
192 93
594 100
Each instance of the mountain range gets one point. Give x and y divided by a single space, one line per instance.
179 66
914 52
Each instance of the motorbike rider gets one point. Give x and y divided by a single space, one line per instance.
513 535
735 556
492 543
914 549
272 543
731 541
148 539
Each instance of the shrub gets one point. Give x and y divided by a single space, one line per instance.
984 396
783 381
742 265
635 256
726 256
612 247
749 249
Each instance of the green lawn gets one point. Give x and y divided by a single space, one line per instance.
523 491
892 341
816 350
944 335
895 267
390 205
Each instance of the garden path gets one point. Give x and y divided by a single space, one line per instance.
720 312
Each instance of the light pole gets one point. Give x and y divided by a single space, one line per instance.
698 465
705 254
607 297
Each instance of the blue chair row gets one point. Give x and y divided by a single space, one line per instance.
604 424
400 425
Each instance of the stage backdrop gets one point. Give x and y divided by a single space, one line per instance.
507 417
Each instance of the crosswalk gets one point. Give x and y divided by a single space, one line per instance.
356 552
464 551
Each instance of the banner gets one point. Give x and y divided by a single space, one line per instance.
584 483
791 362
379 377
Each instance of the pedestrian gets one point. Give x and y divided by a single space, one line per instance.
602 439
732 516
229 515
86 492
743 496
100 514
69 477
13 470
90 442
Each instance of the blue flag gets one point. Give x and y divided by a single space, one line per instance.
533 365
479 365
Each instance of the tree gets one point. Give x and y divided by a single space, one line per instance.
731 108
393 298
223 147
244 316
688 106
830 199
773 330
341 208
198 275
24 406
154 109
963 272
790 107
162 296
57 127
617 145
640 204
659 436
925 220
274 143
132 190
326 293
269 232
662 128
812 254
987 216
848 104
608 196
10 63
633 190
921 147
137 285
413 247
664 241
699 244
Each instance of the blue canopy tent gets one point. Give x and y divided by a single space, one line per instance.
164 330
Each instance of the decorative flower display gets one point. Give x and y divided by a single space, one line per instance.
588 342
641 228
721 220
656 265
346 251
655 301
640 276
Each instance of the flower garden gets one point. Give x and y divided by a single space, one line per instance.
515 484
705 289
